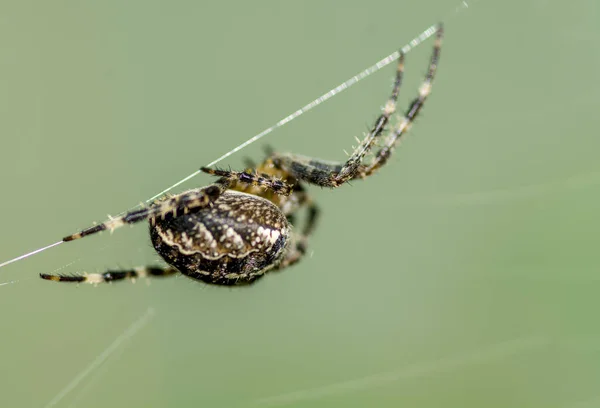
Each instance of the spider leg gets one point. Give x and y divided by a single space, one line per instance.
299 245
333 174
277 185
111 276
183 202
382 156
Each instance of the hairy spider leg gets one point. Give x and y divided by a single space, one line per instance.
266 181
189 200
183 202
333 174
111 276
382 156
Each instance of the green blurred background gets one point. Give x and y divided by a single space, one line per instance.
465 274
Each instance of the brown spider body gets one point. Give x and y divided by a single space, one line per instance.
233 242
240 227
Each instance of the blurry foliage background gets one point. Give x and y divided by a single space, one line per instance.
465 274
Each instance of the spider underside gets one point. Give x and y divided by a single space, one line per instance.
236 230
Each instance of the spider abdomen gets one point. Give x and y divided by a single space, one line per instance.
233 241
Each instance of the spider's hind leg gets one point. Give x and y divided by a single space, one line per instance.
111 276
183 202
299 245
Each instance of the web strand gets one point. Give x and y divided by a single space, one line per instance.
27 255
131 331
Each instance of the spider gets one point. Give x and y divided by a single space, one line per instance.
237 229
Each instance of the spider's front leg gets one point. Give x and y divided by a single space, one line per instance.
384 153
334 174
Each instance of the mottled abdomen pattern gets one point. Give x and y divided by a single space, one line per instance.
232 242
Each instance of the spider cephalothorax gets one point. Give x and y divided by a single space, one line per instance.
237 229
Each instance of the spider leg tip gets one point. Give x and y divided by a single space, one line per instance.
71 237
50 277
